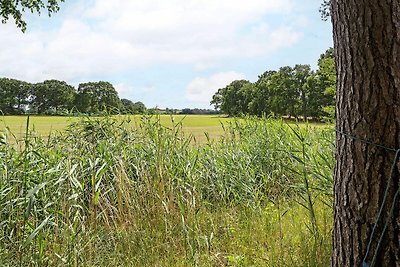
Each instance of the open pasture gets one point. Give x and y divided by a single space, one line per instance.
197 125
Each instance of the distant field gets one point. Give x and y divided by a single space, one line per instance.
45 125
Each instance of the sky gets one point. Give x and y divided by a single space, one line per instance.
164 53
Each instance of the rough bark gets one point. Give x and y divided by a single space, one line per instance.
367 44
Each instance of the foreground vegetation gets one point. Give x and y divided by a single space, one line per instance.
107 193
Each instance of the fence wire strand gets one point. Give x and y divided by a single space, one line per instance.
380 213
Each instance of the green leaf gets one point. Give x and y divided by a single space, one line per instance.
35 232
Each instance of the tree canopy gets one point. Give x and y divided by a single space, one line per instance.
129 107
13 95
52 96
290 91
97 97
58 97
15 8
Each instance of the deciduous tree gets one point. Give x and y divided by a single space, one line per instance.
326 75
260 103
133 108
95 97
14 95
52 96
15 8
234 99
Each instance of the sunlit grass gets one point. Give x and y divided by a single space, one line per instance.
114 191
200 126
46 125
43 125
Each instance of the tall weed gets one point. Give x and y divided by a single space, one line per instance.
111 191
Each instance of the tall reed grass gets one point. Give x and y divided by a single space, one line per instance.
114 192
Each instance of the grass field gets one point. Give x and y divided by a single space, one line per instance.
45 125
102 193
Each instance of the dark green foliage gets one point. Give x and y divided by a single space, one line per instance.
127 105
197 111
52 97
55 97
284 92
15 8
290 91
234 99
13 96
325 9
261 101
326 77
132 108
97 97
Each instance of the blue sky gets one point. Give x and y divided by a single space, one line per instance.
165 53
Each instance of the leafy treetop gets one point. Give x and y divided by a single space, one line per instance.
325 9
15 8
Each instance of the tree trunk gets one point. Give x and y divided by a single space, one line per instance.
304 105
367 44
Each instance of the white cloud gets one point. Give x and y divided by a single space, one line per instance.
148 89
123 88
108 37
135 93
200 90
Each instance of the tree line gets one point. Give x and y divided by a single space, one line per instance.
297 92
53 97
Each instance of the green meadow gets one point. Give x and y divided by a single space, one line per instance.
135 191
46 125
